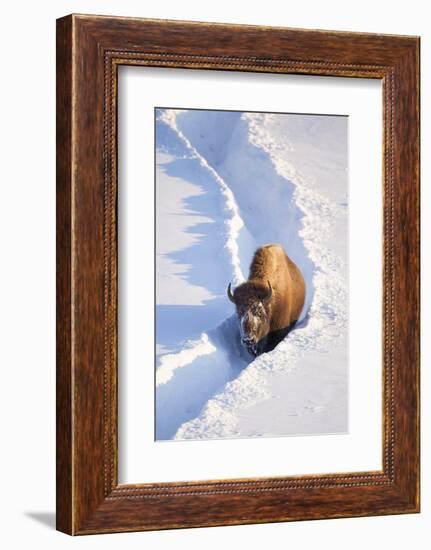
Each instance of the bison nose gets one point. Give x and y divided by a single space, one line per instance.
247 341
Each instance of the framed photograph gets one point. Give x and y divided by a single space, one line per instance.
237 274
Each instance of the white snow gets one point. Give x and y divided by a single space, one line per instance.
226 183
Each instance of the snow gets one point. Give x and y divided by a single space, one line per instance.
226 183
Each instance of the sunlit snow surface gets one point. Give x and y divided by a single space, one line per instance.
226 183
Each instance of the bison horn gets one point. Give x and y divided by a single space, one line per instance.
229 293
268 296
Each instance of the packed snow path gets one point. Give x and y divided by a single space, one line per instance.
227 183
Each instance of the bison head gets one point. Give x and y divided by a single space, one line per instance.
251 299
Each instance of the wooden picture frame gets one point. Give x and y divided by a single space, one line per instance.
89 51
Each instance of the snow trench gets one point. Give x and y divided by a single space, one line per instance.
249 190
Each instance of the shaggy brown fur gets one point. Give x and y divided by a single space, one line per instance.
266 316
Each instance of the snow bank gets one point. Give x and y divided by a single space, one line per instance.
233 220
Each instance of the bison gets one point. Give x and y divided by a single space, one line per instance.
270 302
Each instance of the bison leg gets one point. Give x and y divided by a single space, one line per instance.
277 336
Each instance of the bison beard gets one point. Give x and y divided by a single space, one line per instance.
270 302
